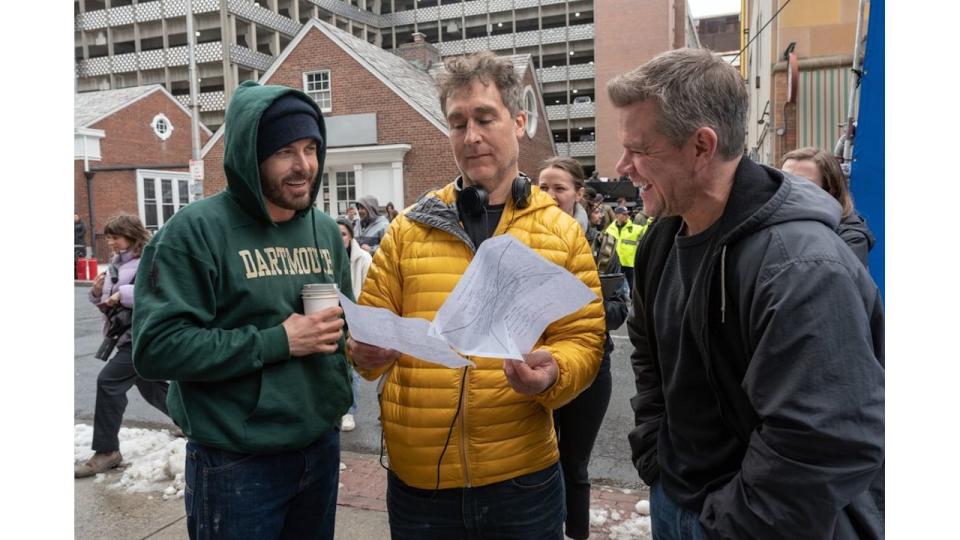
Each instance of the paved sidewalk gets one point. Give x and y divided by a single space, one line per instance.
104 512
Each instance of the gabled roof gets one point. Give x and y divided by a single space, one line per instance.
411 83
92 107
415 86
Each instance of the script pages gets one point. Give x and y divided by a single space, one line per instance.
499 309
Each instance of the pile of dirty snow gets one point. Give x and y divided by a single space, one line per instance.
617 526
153 460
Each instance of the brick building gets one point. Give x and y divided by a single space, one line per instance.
387 136
801 101
131 153
576 46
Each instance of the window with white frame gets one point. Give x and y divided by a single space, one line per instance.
162 127
346 191
335 198
161 194
323 198
317 85
530 106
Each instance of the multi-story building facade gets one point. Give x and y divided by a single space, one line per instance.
576 46
801 101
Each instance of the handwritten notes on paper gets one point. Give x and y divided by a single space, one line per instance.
506 299
384 328
499 308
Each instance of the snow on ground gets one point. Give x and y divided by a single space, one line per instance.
153 460
635 527
612 522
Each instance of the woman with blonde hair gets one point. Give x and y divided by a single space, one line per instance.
112 293
823 169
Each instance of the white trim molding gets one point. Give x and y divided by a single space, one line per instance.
354 155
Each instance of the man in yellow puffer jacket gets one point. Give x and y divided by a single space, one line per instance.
473 450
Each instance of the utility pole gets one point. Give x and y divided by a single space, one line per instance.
194 105
855 69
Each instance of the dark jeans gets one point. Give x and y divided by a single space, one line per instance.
577 424
527 507
284 495
669 521
116 377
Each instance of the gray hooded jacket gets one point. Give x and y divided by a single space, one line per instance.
371 230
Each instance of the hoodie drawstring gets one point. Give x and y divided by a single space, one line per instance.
723 285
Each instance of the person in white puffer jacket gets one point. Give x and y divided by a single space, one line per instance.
359 264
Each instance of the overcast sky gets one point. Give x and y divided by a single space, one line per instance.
705 8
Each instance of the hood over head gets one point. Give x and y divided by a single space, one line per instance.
372 206
242 127
287 120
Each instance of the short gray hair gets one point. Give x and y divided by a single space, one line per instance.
692 89
486 67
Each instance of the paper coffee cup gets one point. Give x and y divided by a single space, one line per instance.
319 296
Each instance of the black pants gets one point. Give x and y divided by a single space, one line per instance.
577 424
628 275
112 384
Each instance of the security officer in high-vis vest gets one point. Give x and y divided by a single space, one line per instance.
628 235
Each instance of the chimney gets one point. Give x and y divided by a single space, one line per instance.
420 53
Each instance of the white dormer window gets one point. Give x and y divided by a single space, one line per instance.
161 126
317 85
530 106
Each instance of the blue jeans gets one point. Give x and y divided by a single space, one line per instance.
283 495
527 507
355 384
669 521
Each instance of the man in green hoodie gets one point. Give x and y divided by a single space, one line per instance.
258 388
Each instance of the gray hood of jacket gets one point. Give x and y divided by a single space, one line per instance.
371 230
371 205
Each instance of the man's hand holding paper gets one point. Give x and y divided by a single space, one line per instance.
499 309
535 374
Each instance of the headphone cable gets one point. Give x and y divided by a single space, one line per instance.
463 379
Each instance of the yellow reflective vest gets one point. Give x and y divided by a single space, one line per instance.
627 239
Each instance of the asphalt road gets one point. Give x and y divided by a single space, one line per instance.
610 462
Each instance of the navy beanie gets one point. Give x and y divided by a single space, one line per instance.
286 120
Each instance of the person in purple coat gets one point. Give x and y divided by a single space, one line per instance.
126 237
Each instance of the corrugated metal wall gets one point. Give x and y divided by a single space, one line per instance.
822 106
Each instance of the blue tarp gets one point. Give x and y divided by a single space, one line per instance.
867 170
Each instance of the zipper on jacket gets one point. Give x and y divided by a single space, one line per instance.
463 429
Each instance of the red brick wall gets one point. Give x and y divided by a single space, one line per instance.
428 165
648 28
130 140
533 151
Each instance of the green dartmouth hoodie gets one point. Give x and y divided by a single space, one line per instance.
213 287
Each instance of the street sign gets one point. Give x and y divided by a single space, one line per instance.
196 169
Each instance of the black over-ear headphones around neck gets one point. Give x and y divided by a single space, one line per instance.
473 200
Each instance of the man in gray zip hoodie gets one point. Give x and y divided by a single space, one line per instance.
758 334
371 225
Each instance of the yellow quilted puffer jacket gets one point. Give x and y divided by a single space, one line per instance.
498 434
